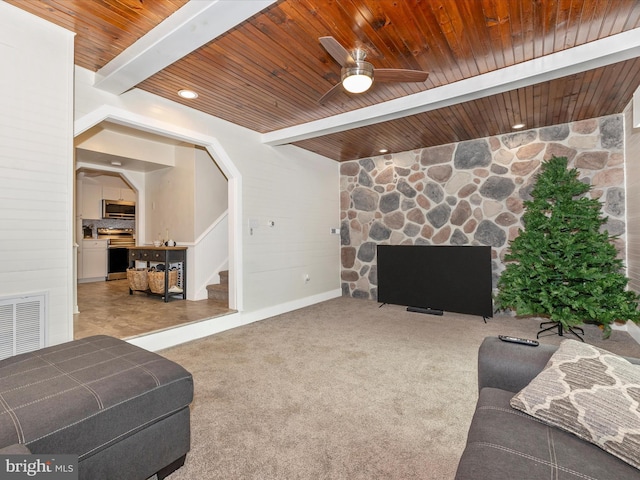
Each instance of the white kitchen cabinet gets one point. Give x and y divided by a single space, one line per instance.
128 195
94 260
115 193
91 201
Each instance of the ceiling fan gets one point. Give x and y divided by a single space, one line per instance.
358 74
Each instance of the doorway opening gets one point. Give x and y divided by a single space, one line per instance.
95 300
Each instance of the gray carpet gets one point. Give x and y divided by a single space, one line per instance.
342 390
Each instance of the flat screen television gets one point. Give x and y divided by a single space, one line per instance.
436 277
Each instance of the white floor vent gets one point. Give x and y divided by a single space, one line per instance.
21 324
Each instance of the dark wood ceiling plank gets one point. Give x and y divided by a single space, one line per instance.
287 35
619 77
379 48
545 14
501 110
632 20
610 17
562 21
523 28
588 106
404 20
392 25
240 96
331 17
542 29
271 70
600 10
304 38
452 28
268 72
105 28
525 109
384 94
498 22
588 14
299 11
246 72
474 28
539 93
627 83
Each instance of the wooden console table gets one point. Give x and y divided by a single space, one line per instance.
166 255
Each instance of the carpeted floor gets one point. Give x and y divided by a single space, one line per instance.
342 390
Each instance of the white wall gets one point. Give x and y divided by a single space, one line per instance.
297 189
170 199
210 192
632 195
127 146
36 165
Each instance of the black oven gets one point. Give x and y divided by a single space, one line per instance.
118 242
118 261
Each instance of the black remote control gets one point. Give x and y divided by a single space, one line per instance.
523 341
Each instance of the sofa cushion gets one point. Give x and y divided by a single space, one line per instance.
80 397
506 444
15 449
591 393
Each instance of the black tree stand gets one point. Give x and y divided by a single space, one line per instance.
561 330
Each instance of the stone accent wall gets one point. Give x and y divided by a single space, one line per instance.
468 193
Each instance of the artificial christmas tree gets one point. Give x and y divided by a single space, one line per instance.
563 266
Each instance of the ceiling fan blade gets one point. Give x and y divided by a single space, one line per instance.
335 89
399 75
337 51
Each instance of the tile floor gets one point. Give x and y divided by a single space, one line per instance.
107 308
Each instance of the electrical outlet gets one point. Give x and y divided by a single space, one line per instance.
335 231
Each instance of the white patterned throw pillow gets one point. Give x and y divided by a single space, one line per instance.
591 393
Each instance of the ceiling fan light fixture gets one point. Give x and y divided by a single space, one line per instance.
357 78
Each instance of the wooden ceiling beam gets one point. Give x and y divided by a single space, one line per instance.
190 27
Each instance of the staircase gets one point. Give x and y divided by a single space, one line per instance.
219 292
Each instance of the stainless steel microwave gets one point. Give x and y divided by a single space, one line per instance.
118 209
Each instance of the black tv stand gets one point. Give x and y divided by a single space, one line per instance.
430 311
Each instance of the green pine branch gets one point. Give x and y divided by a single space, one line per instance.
563 265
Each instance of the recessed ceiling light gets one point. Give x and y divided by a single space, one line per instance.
116 163
518 126
383 150
188 94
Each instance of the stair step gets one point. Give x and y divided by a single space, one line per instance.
218 292
224 276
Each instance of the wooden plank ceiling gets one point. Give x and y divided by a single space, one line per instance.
269 72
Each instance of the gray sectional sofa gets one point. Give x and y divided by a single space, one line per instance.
505 443
122 409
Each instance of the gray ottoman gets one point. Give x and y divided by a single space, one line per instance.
122 409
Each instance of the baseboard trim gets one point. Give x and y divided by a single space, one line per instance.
175 336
